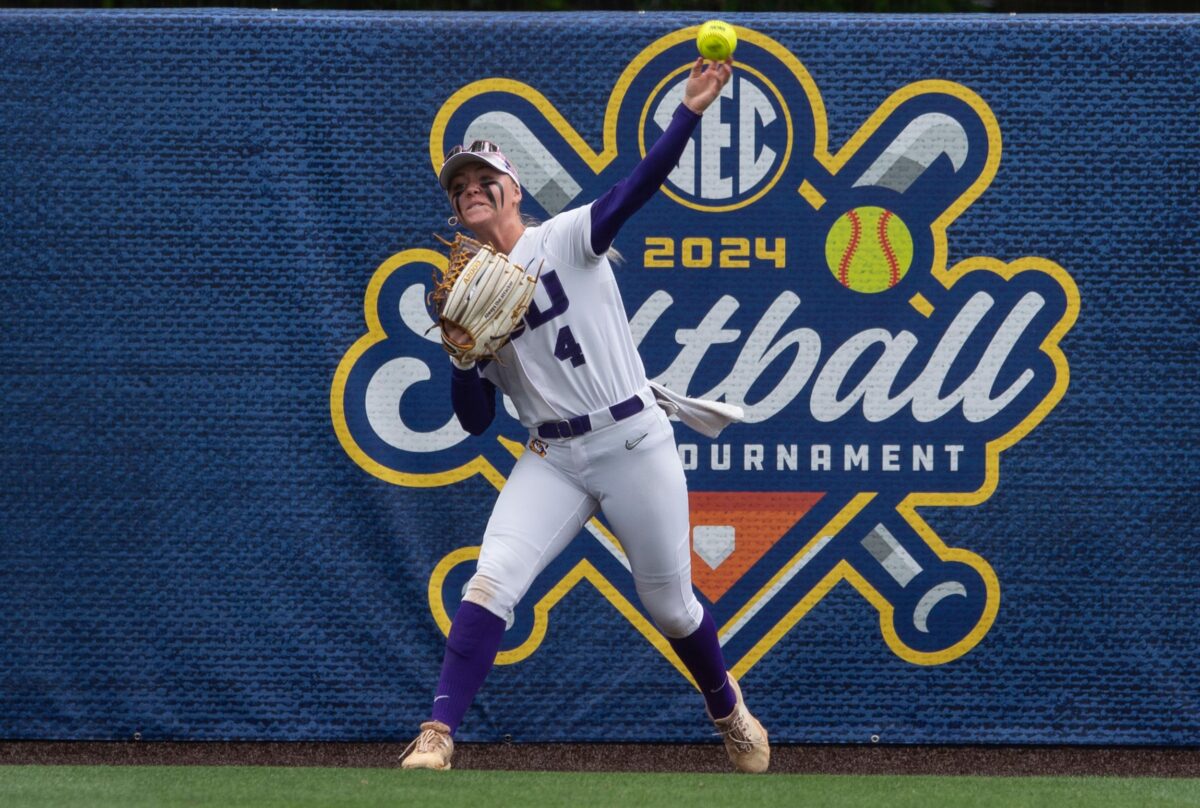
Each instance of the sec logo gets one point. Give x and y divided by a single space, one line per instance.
740 148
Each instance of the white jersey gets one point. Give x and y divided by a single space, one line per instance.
576 354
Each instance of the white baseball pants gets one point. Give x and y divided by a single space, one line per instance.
631 471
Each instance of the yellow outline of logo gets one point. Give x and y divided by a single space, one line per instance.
908 508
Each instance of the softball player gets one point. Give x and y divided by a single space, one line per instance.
597 440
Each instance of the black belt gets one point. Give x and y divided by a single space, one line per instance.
582 424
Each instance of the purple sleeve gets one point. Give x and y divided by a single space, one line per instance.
474 399
621 201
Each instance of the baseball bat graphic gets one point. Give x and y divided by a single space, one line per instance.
906 158
542 175
891 563
898 563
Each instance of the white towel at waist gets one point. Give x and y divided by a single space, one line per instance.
704 416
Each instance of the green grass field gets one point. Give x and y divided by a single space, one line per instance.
262 787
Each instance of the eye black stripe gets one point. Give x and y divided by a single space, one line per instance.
487 189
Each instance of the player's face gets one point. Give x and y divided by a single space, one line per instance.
482 196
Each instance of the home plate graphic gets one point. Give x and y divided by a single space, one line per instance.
732 531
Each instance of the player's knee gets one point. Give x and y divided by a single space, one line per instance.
679 623
483 590
674 609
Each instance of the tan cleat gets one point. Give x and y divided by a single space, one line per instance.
745 738
429 750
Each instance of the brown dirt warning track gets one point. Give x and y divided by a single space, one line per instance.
599 757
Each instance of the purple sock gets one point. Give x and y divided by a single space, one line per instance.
471 648
701 654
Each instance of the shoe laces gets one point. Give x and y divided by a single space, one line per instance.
737 733
430 740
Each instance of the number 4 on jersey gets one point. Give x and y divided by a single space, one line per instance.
565 347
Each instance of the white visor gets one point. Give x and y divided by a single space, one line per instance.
486 153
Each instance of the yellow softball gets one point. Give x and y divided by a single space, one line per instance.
869 249
716 40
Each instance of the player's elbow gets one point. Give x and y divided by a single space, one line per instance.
474 401
476 424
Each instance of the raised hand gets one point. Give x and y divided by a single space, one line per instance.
705 83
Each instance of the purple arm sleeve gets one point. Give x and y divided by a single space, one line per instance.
474 399
621 201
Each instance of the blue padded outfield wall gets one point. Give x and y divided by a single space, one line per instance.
948 266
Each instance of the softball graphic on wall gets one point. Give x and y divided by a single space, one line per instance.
868 249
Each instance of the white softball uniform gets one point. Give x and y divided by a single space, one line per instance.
578 383
576 354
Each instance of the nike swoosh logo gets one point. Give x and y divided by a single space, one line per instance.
632 444
439 698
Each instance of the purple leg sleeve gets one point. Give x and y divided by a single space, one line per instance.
471 649
701 654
